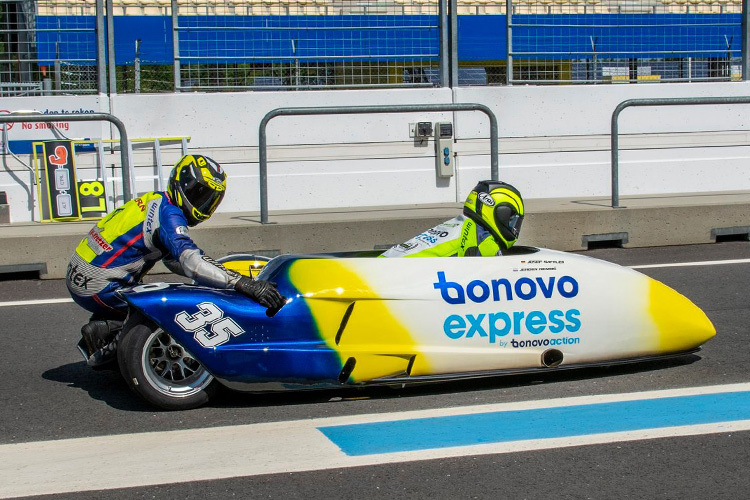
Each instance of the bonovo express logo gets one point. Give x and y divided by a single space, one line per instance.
496 325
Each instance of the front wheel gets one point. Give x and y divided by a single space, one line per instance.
161 371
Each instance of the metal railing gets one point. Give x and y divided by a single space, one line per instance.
677 101
127 166
351 110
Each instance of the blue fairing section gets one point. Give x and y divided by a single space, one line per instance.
285 348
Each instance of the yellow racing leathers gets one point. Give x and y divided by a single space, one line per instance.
458 237
126 244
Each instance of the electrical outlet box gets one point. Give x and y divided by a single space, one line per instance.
424 129
420 130
444 149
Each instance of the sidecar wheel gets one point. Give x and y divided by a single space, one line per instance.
161 371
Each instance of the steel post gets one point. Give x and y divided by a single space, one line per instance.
453 18
101 54
745 41
444 59
676 101
349 110
176 48
127 166
112 68
509 42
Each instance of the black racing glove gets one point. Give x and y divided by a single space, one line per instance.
263 292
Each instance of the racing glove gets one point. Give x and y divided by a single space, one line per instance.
263 292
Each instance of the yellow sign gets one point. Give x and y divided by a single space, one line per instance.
84 199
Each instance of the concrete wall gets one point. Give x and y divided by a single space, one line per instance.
553 143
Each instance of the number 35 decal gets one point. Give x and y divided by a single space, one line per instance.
220 327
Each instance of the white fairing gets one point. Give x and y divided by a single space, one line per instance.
495 313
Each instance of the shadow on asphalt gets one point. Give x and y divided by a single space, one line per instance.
232 399
103 385
107 385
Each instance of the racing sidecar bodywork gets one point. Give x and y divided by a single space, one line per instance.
365 320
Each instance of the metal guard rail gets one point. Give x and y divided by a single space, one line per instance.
127 166
349 110
674 101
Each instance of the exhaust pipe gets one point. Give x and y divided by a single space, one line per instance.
552 358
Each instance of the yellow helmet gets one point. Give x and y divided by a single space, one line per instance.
497 207
197 185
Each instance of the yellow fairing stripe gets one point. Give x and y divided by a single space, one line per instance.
245 267
680 324
344 306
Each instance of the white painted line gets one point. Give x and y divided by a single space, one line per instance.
689 264
34 302
54 467
643 266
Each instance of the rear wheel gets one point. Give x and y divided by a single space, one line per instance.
161 371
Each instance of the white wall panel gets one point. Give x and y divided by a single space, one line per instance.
338 184
232 119
529 111
553 143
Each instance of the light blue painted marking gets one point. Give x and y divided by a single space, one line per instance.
522 425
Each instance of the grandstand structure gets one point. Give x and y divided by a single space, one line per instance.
389 7
55 46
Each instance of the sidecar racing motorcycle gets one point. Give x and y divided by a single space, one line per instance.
360 320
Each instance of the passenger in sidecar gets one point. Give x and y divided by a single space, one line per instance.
489 225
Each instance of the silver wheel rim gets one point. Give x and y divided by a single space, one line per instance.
170 369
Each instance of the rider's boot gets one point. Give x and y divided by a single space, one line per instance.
99 338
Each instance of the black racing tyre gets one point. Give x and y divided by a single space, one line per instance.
160 370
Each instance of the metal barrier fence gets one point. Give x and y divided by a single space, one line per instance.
305 44
127 165
678 101
49 46
588 41
350 110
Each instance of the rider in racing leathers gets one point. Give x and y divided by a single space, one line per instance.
126 244
489 225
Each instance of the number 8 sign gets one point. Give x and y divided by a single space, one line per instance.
93 198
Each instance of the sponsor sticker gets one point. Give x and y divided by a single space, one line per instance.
209 326
500 325
151 217
486 199
96 242
77 278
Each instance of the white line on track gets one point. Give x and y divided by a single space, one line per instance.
54 467
34 302
690 264
643 266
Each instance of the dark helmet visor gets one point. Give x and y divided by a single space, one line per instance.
514 224
508 221
203 198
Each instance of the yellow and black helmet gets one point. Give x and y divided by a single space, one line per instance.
197 185
497 207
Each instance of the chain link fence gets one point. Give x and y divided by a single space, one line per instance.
46 47
626 41
303 44
51 46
